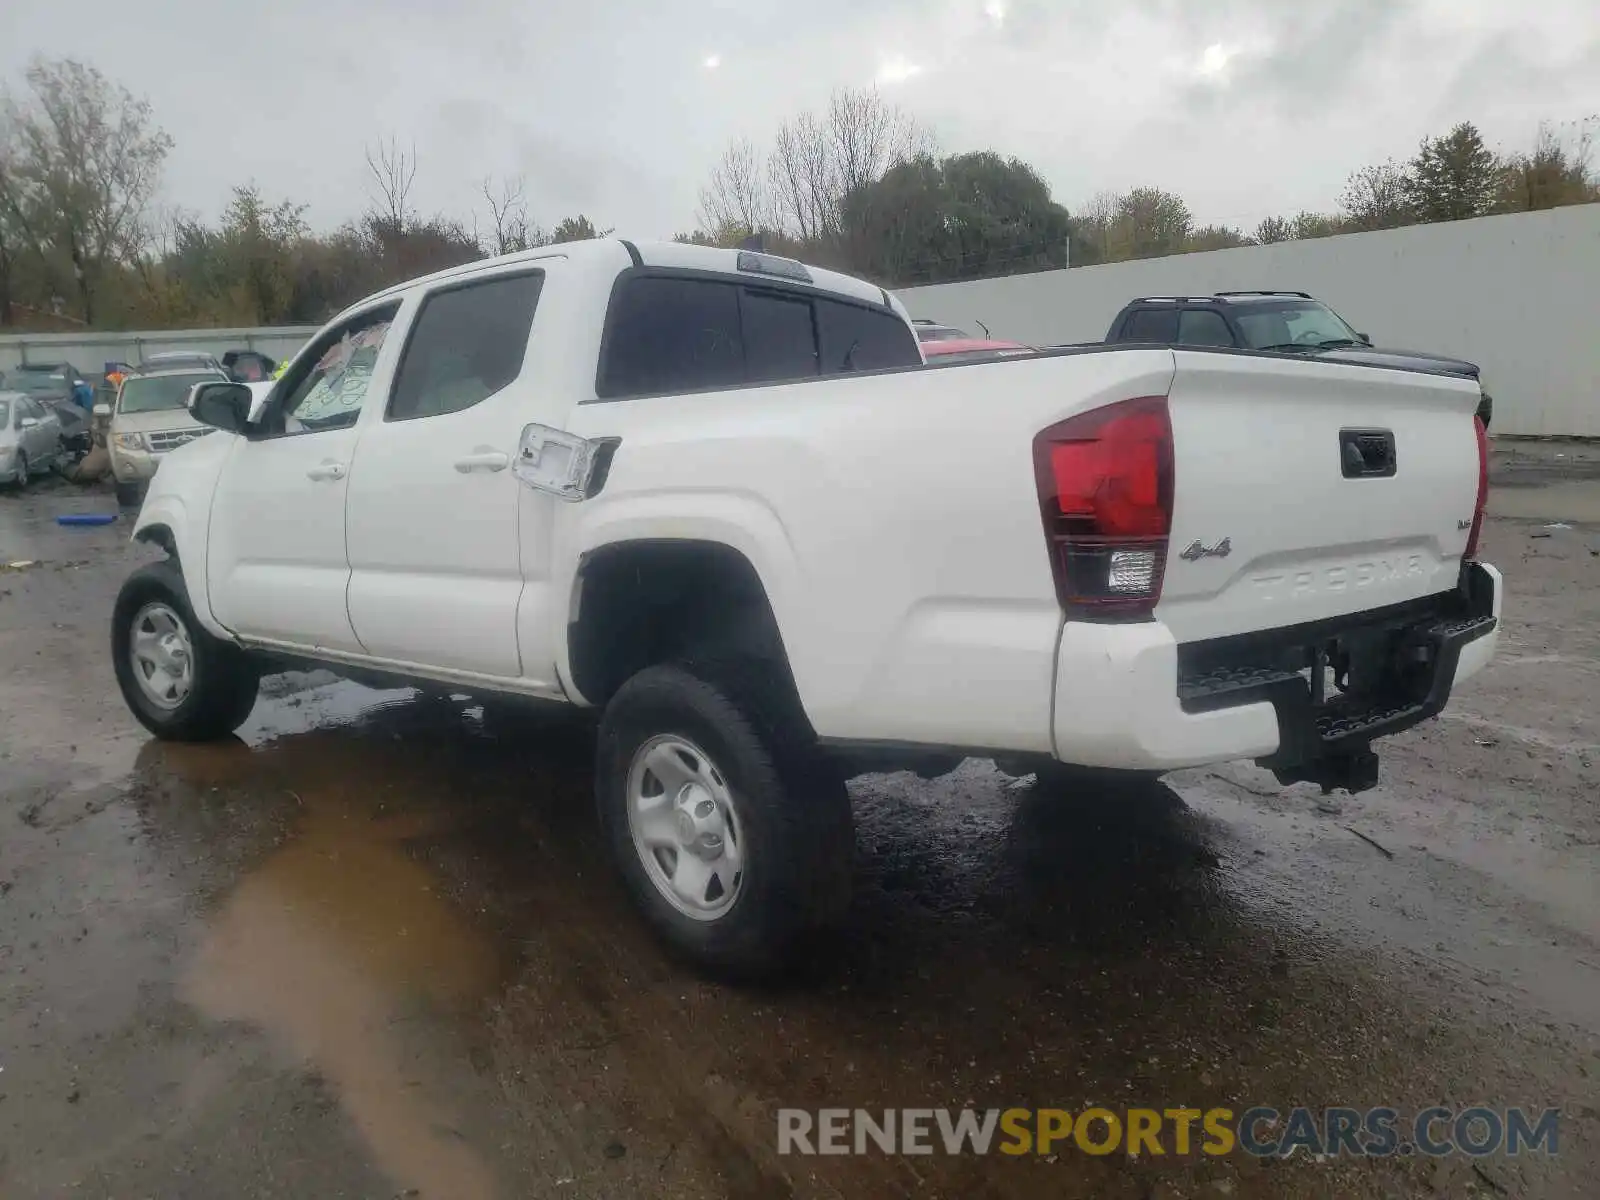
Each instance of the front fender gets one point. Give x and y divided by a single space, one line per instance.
177 512
743 522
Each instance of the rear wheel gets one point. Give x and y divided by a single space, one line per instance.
181 683
732 836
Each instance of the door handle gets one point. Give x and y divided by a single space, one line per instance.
483 460
326 470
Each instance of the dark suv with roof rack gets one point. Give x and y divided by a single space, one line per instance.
1283 322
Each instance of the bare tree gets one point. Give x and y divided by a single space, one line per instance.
393 171
735 201
817 163
803 179
508 210
868 135
83 161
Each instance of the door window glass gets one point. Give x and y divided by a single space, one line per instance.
332 382
1202 327
1150 325
467 343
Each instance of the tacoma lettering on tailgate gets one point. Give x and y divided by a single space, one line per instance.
1365 573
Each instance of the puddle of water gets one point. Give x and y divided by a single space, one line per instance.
333 943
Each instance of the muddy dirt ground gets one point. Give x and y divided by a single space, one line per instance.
373 948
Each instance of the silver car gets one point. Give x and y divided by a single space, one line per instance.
30 438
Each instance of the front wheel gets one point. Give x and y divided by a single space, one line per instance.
129 495
731 836
24 472
181 683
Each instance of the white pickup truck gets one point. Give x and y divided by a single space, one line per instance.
716 496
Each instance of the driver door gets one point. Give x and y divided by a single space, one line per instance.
276 564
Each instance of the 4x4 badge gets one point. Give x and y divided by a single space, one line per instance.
1195 551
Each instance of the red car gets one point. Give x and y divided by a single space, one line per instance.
962 349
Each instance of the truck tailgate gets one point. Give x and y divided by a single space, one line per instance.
1309 490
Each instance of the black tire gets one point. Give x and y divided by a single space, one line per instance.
793 812
225 680
24 472
130 495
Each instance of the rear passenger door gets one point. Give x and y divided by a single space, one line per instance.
432 514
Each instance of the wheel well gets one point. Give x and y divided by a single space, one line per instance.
648 602
158 535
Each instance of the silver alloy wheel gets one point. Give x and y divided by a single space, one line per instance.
685 827
161 654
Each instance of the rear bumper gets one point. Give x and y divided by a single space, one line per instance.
1128 696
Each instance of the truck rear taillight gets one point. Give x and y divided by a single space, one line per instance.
1105 493
1483 489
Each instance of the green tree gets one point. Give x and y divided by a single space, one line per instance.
1552 174
83 160
960 217
1216 237
1377 197
1452 177
1273 229
260 240
1149 223
576 229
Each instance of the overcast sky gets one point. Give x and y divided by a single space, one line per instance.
618 108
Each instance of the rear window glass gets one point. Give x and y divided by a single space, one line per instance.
1150 325
863 339
668 334
779 340
673 335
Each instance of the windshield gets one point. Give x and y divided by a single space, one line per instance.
1300 323
41 381
153 393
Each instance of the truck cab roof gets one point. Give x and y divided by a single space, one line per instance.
611 256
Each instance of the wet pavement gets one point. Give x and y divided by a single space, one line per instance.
372 947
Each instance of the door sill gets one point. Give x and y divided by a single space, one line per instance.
392 666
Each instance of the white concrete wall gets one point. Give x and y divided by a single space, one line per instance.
90 351
1519 295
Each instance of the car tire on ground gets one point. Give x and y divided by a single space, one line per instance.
182 683
129 495
732 833
24 472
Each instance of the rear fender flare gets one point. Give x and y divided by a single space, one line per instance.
744 524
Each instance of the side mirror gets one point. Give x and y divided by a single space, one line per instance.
1365 338
260 393
102 410
28 423
223 406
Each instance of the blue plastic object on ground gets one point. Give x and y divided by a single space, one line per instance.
86 518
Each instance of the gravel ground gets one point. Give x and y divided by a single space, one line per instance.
372 948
